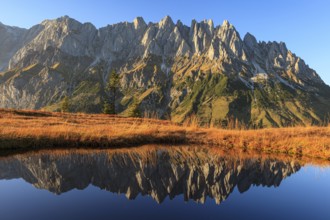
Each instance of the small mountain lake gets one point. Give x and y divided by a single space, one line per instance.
154 182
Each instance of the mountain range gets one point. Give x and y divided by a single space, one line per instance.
167 69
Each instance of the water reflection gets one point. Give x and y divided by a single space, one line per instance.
194 172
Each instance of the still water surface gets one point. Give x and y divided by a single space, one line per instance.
180 183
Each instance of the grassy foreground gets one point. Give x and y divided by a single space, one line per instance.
37 129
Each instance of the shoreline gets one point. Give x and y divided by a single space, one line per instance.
32 130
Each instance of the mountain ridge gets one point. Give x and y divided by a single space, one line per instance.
172 69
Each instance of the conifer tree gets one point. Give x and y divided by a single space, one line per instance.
107 108
134 110
113 87
65 105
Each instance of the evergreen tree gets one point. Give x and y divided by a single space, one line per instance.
65 106
260 124
113 86
134 110
107 108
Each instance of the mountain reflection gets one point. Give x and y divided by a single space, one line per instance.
196 173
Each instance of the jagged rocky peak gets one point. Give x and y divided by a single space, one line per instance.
227 31
179 23
64 21
226 24
63 34
166 22
209 22
67 24
210 25
250 40
232 41
139 23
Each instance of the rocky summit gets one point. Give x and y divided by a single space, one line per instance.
166 69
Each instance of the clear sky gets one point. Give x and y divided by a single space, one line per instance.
304 25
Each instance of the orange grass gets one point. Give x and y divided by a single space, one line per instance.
37 129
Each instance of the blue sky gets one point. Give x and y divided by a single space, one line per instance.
303 24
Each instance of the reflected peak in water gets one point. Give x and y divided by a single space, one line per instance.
159 173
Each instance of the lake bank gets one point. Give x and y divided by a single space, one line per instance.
24 130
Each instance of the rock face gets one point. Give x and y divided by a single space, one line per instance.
12 39
171 69
157 173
